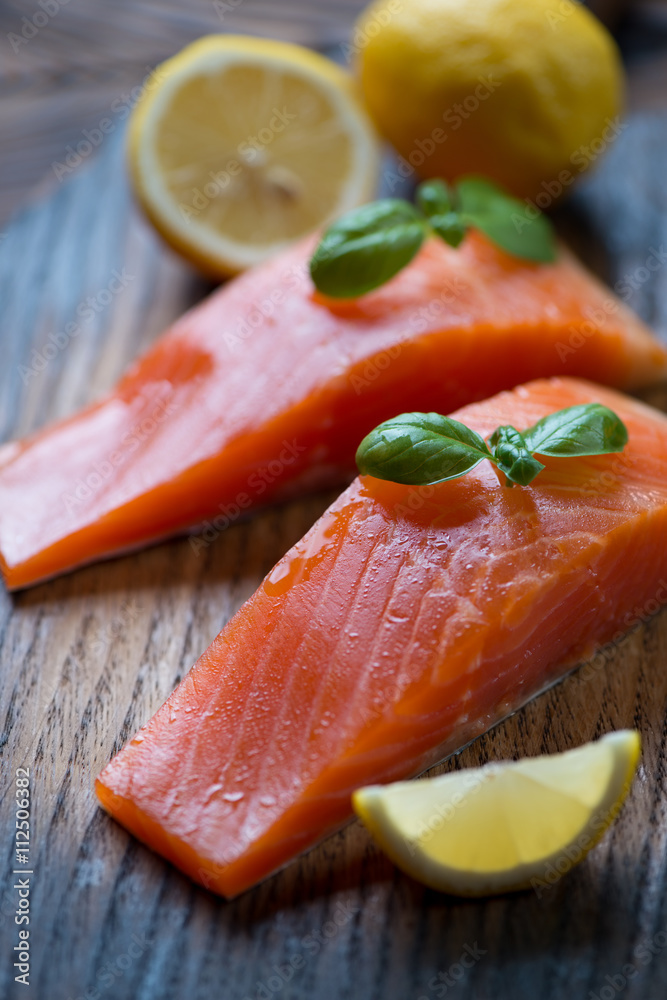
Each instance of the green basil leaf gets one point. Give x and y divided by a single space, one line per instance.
367 247
449 227
478 194
420 448
587 429
507 221
434 198
513 457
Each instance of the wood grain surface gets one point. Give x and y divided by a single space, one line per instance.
85 660
65 75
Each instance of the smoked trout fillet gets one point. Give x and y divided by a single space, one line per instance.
265 390
404 624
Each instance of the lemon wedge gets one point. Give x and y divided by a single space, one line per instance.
240 145
505 826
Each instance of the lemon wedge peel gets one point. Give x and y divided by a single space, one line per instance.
505 826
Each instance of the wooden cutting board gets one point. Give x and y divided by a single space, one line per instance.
86 659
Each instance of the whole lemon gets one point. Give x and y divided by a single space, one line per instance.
523 91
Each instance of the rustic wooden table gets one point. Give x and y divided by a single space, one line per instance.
86 659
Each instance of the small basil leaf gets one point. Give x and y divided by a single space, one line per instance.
449 227
587 429
513 457
420 448
478 194
434 198
367 247
505 220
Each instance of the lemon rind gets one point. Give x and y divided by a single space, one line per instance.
415 859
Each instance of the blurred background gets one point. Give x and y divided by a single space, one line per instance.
63 63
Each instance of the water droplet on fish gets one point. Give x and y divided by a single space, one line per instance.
138 739
213 790
279 572
233 796
291 571
267 800
396 618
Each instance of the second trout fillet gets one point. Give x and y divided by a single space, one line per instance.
406 622
264 391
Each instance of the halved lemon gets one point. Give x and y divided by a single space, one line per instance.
504 826
240 145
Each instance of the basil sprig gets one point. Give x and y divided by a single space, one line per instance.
369 245
512 456
417 449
